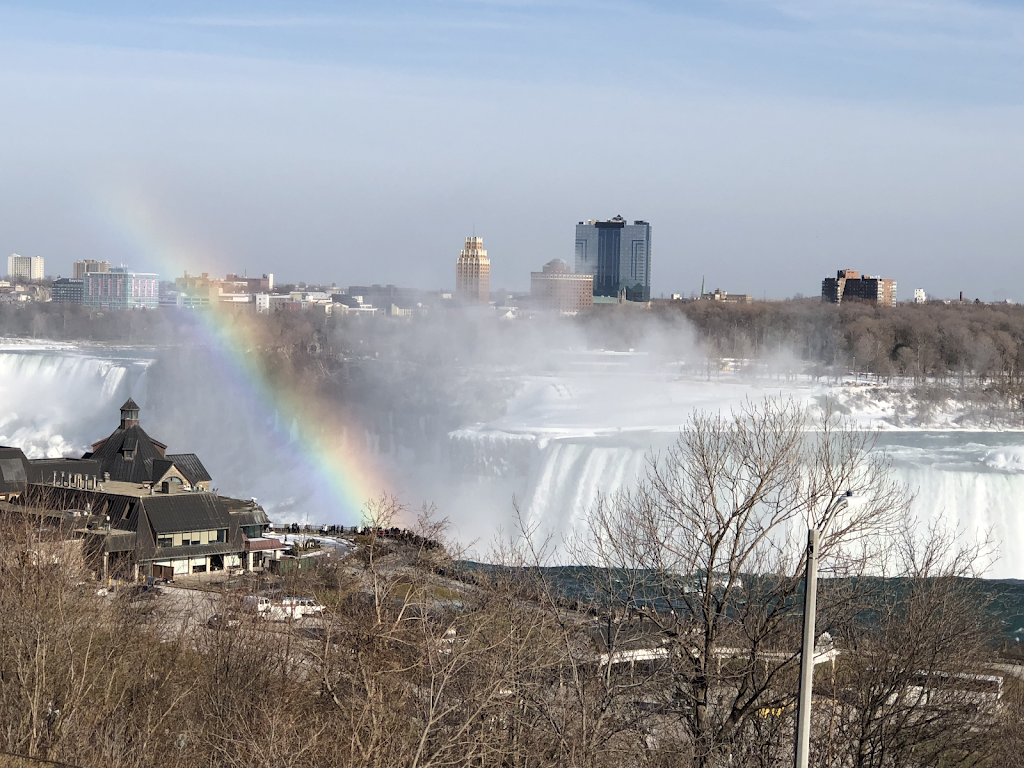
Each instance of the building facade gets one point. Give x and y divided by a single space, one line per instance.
555 287
919 296
25 267
120 289
66 290
849 283
473 273
81 268
139 510
618 255
730 298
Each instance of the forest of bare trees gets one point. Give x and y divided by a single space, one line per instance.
673 642
934 341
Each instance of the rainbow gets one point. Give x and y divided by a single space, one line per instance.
349 472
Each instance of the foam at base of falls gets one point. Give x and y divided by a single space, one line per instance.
1010 458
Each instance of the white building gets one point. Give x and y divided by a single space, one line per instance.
919 297
265 302
25 267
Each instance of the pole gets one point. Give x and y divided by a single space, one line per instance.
803 717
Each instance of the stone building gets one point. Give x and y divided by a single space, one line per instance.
139 510
555 287
473 273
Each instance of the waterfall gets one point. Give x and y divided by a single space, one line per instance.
55 402
561 443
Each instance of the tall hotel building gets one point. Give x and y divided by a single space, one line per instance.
473 273
851 284
120 289
618 255
25 267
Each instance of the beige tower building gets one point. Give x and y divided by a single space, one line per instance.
473 272
81 268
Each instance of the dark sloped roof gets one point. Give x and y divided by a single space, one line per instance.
185 512
138 469
130 405
13 470
250 516
199 550
160 467
190 466
59 499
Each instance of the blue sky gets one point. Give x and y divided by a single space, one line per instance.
768 143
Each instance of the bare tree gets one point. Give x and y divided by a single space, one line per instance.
913 687
708 551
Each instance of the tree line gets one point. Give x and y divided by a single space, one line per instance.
933 341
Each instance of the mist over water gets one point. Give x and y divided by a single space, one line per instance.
470 418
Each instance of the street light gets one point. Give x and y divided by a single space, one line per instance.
803 716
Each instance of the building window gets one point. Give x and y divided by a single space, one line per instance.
194 538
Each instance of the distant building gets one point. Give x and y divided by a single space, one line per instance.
268 302
919 296
473 273
25 267
241 284
384 295
719 295
81 268
557 288
849 283
120 289
66 290
618 255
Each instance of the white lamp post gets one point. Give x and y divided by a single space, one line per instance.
803 716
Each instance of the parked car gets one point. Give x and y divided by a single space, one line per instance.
222 621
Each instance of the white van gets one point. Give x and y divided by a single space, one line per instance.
256 604
296 608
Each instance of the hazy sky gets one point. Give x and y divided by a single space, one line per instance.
768 143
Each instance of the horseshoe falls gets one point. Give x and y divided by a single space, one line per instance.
563 442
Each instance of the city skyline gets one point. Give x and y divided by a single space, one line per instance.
220 137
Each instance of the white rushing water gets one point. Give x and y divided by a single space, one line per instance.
563 440
58 399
